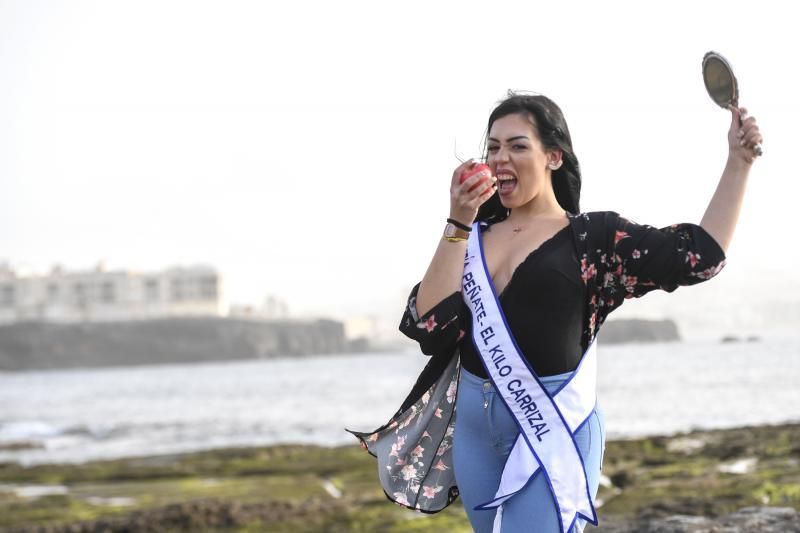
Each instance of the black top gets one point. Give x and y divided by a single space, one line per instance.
560 295
544 306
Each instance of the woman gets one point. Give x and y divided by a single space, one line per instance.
556 274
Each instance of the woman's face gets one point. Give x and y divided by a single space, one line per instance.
518 160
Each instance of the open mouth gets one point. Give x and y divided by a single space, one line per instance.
506 183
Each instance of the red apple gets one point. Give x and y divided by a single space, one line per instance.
480 167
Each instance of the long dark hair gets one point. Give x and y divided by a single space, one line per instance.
552 128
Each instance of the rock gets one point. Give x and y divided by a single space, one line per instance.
739 466
685 445
636 330
765 519
621 479
745 520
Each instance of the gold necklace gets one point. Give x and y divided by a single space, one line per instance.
516 230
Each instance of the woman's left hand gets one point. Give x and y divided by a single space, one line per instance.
743 136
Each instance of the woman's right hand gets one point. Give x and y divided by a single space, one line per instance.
464 203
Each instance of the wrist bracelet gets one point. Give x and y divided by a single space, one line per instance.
459 225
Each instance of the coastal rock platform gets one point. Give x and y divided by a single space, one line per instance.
720 481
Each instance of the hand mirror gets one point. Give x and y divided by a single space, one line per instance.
721 84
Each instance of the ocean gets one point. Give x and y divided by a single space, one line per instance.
72 416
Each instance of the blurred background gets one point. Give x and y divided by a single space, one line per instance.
211 215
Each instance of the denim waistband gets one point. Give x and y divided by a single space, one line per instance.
550 382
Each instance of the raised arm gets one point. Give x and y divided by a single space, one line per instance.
443 276
722 212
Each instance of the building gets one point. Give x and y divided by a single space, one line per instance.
99 295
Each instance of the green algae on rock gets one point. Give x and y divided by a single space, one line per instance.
704 475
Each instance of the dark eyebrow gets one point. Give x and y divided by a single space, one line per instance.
511 138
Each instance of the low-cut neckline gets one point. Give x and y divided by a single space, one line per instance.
529 257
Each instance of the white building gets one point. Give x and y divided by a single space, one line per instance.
99 295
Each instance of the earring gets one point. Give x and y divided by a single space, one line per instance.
554 166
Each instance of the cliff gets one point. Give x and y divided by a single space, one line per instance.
39 345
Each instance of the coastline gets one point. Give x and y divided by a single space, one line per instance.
648 483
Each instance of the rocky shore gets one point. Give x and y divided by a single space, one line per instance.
736 480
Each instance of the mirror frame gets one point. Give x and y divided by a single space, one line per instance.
715 57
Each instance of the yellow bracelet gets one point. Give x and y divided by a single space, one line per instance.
455 239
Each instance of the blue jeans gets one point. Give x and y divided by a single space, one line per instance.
484 435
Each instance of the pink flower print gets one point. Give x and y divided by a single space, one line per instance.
400 497
425 398
417 452
426 434
692 258
588 271
709 272
429 324
636 254
443 447
441 466
438 413
451 391
400 462
619 236
408 472
608 279
409 418
431 492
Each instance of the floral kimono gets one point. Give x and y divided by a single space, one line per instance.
619 260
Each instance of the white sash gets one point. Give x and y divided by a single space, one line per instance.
547 422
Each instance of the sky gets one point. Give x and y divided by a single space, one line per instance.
305 149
